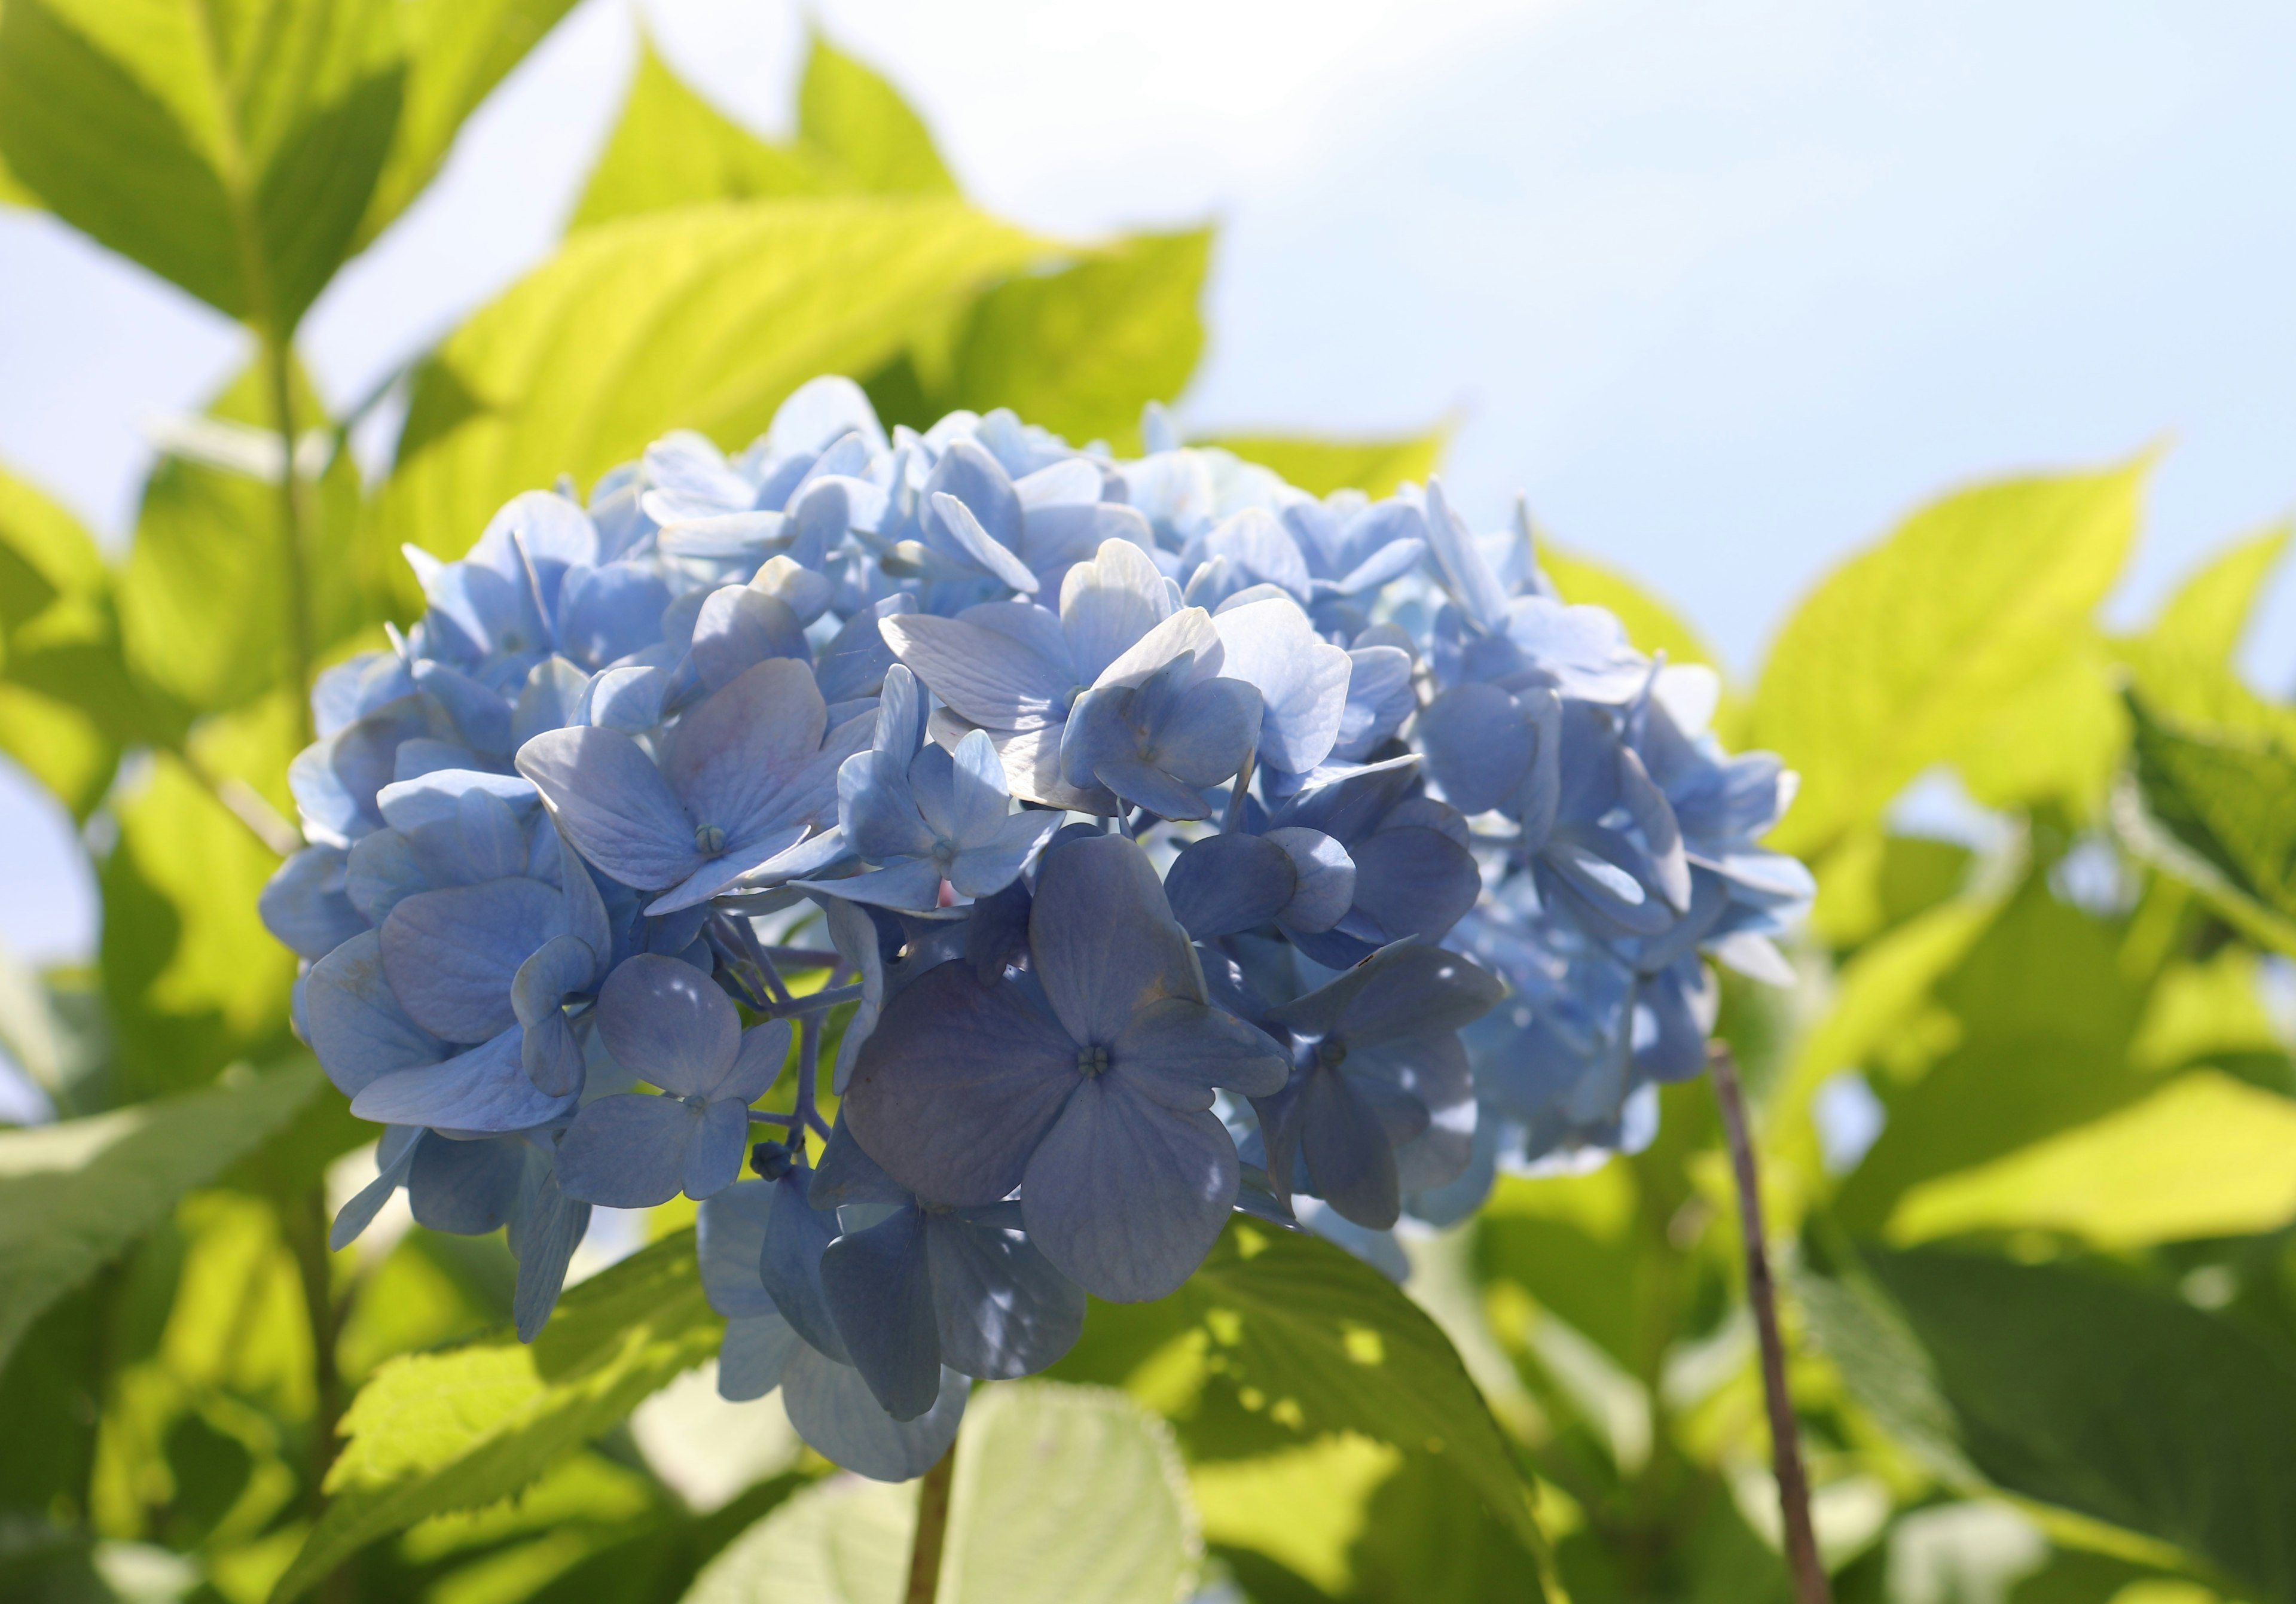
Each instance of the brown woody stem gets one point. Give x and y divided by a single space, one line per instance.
932 1530
1810 1584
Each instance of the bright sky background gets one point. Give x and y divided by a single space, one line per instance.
1725 286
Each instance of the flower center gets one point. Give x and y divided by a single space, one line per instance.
1092 1061
709 840
1331 1052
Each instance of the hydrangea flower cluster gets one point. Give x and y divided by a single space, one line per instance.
1172 841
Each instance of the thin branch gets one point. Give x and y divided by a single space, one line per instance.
932 1530
1811 1584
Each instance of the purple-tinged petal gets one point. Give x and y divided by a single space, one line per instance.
1104 939
1125 1196
797 1234
1176 1051
740 628
1225 883
729 1238
881 1295
983 870
834 1409
452 955
668 1023
357 1027
1108 604
754 1355
484 1090
1347 1151
914 886
1001 1310
1478 745
955 1085
613 804
1414 881
713 1157
764 1051
464 1189
729 757
979 799
305 905
987 677
998 560
1302 679
628 1150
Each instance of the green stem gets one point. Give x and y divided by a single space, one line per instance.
295 511
305 1220
1810 1584
932 1530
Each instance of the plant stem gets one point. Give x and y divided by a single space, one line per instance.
305 1222
932 1530
278 355
1811 1584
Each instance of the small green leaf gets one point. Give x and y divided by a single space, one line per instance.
1281 1339
1080 352
1059 1492
468 1426
2205 1156
207 591
2091 1393
73 1194
2228 795
232 152
704 317
2211 609
1320 466
673 148
192 977
455 51
856 124
1901 654
2059 738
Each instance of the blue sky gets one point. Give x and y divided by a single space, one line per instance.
1725 287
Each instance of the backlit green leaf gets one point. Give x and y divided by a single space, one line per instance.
704 318
1901 654
1281 1339
673 148
2091 1393
854 123
465 1429
2210 610
230 151
73 1194
2228 795
455 51
1081 351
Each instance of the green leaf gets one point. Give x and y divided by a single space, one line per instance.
1320 466
1901 654
854 124
2039 1020
2226 795
703 319
207 593
1281 1339
233 153
2204 1157
2059 739
1059 1492
2211 609
73 1195
192 977
1080 352
456 50
1651 624
673 148
465 1429
55 592
2099 1396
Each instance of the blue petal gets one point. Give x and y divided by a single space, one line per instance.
552 1056
1127 1196
669 1024
955 1085
881 1298
982 547
1253 541
1203 739
1414 881
544 1234
876 809
357 1027
1348 1150
305 904
394 1156
1176 1051
729 1238
979 799
901 709
452 955
1146 785
606 614
1225 883
1388 562
549 699
988 678
731 760
971 476
613 804
848 1174
713 1157
988 869
380 871
834 1409
484 1091
1662 836
1327 874
1302 679
797 1234
856 939
1581 650
468 1188
817 412
740 628
1109 605
754 1355
1478 745
628 1150
765 1049
1379 697
1461 561
854 663
914 886
1001 1309
1104 939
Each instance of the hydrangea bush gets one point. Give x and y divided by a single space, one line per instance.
1174 841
